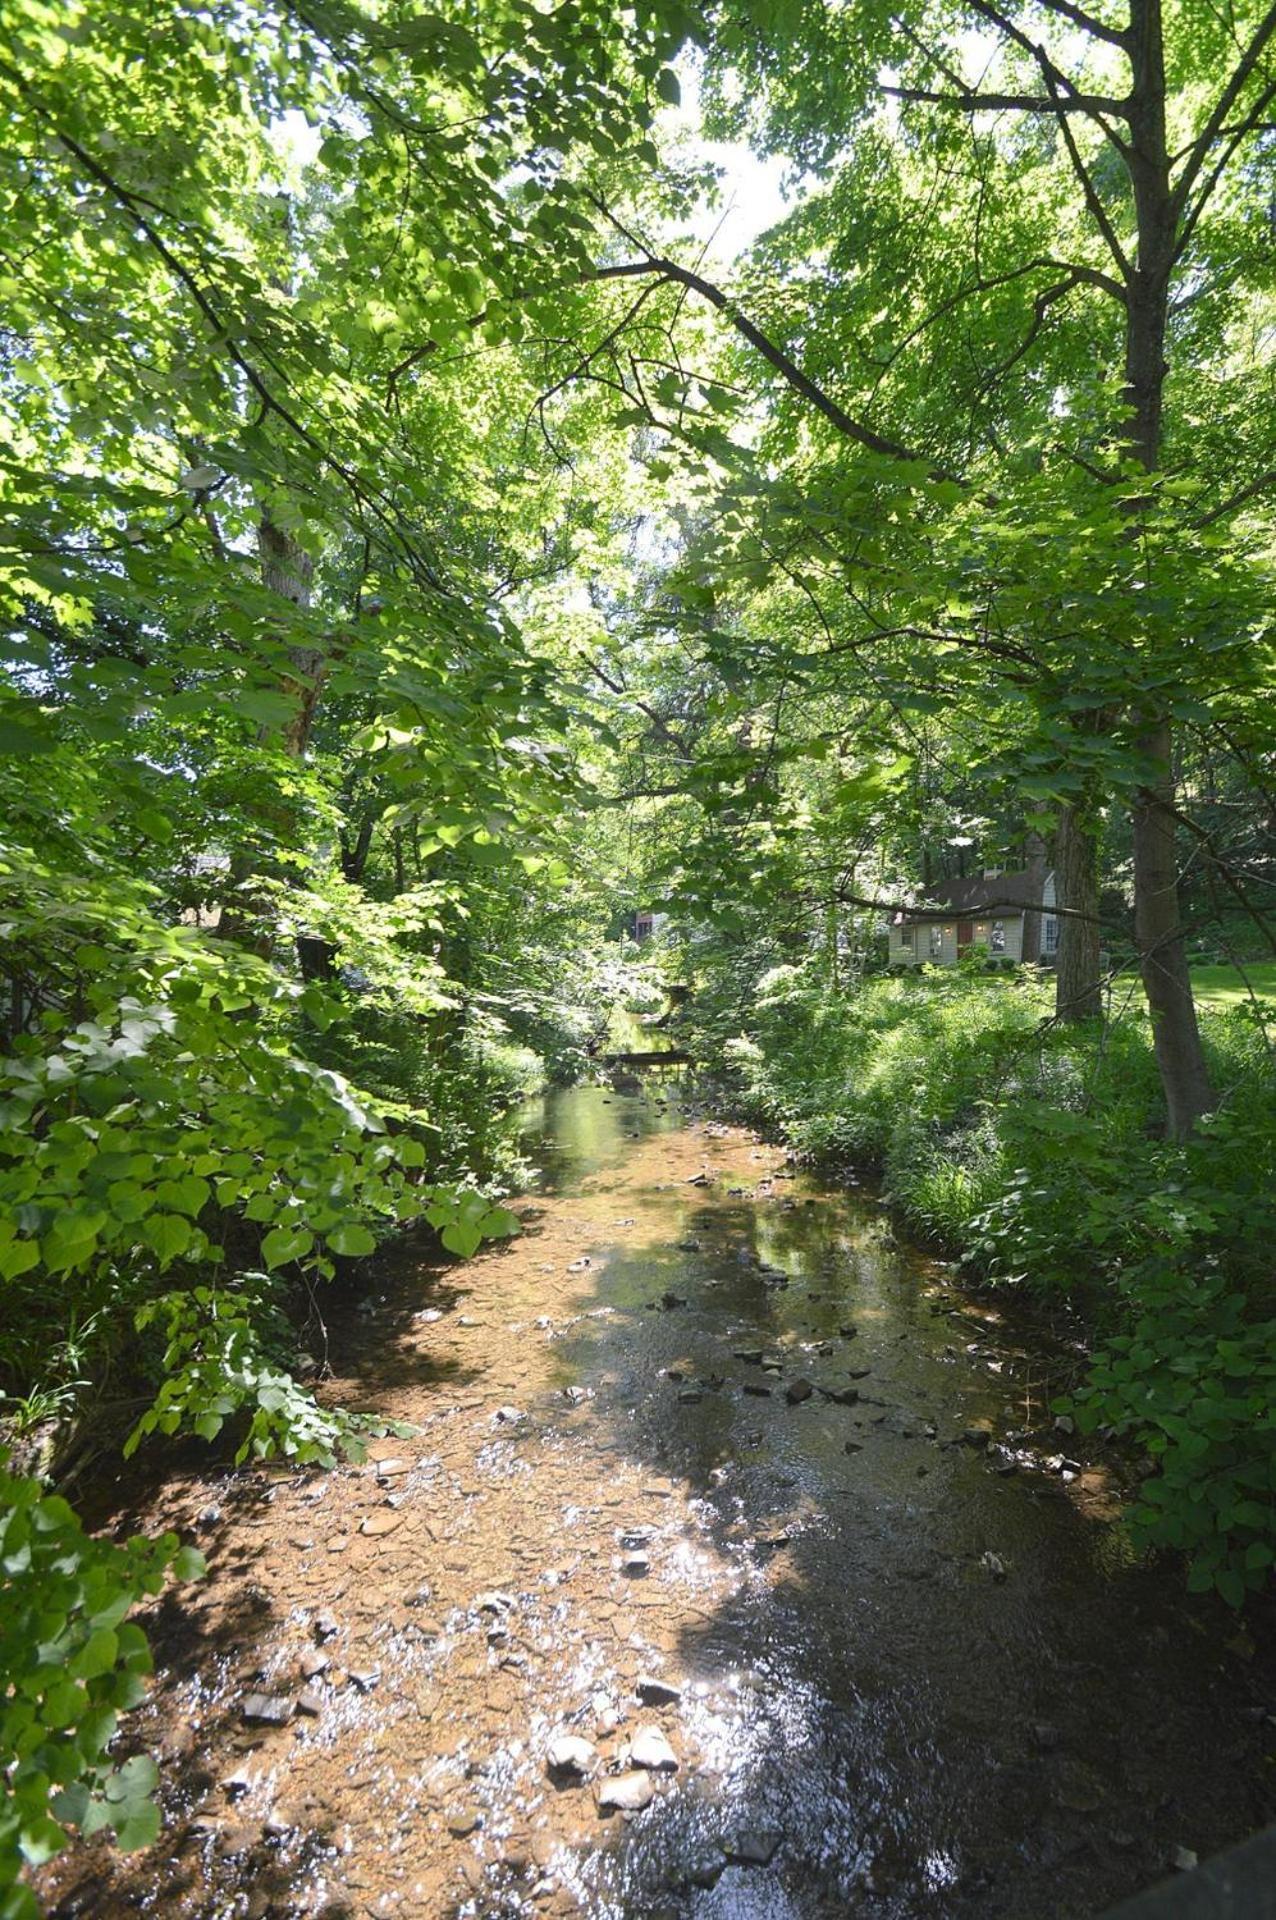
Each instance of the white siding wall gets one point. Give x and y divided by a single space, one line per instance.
911 946
1012 925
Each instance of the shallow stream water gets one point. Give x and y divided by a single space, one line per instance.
703 1423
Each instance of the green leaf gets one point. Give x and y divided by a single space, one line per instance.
285 1244
352 1241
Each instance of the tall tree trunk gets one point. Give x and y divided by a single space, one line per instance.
1078 988
289 571
1162 953
1158 927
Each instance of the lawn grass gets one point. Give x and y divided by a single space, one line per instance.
1225 986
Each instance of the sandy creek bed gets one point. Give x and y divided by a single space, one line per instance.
916 1675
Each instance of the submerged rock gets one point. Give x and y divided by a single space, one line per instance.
651 1750
753 1846
267 1710
572 1755
655 1692
626 1793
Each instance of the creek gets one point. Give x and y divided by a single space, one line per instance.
705 1433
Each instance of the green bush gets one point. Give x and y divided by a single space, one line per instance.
70 1663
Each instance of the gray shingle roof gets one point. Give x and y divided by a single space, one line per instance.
1007 893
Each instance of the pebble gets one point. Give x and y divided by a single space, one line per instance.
569 1753
626 1793
654 1692
267 1710
326 1625
1183 1859
636 1563
381 1523
798 1390
651 1750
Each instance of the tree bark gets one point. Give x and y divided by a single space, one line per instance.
1158 926
1078 988
1162 953
287 570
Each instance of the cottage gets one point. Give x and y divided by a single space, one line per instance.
1001 916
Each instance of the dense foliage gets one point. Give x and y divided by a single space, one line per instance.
420 551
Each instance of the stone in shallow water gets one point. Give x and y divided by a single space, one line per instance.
267 1710
381 1523
626 1793
570 1755
752 1846
654 1692
798 1390
650 1749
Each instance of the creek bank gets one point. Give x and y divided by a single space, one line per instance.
894 1678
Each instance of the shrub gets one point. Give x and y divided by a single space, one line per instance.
70 1663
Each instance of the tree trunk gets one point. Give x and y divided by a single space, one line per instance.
1158 928
1078 988
1162 954
287 570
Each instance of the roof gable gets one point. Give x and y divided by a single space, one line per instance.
1009 894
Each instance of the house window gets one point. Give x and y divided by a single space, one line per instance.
905 939
981 932
997 939
937 943
1050 934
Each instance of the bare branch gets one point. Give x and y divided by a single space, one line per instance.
972 102
852 429
1114 36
